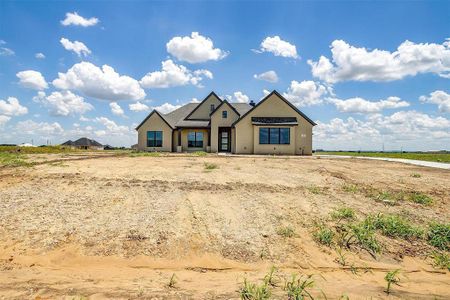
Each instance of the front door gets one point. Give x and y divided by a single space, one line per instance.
224 139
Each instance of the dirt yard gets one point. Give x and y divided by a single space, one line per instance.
121 227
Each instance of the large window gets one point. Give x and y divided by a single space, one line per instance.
195 139
275 136
154 138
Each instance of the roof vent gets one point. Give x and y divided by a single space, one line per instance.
252 103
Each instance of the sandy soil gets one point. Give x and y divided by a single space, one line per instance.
119 227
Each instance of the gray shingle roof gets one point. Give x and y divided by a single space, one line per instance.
179 114
83 142
242 108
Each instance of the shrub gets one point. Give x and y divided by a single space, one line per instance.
324 235
343 213
396 226
439 235
253 291
286 231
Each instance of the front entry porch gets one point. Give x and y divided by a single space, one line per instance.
192 139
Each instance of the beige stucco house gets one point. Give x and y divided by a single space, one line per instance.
273 126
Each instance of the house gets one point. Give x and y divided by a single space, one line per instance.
273 126
84 143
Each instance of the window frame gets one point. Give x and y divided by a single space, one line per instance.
212 107
279 139
154 142
224 114
196 141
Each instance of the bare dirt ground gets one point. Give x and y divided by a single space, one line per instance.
120 227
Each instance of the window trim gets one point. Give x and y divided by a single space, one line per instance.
195 139
155 140
212 107
279 135
224 114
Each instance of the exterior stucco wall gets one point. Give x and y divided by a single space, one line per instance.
202 112
217 121
247 136
155 123
184 140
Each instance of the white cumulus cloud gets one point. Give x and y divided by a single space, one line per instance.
269 76
77 20
138 107
174 75
31 127
306 93
116 109
360 105
63 103
12 107
78 47
39 55
166 108
440 98
278 47
238 97
194 49
111 128
101 83
32 79
4 119
360 64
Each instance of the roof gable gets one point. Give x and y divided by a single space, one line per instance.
197 112
148 117
274 92
225 102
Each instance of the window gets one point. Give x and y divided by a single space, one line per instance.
195 139
212 107
275 136
154 138
224 114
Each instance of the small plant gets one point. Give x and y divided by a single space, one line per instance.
199 153
172 281
420 198
316 190
253 291
350 188
364 233
343 213
396 226
298 289
439 235
390 198
139 154
342 257
416 175
324 235
391 278
210 166
441 260
286 232
270 277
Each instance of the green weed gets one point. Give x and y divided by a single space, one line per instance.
438 235
139 154
172 281
210 166
324 235
391 278
441 260
253 291
396 226
286 232
364 234
350 188
199 153
343 213
298 288
315 190
420 198
13 160
416 175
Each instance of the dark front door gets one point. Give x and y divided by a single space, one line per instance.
224 139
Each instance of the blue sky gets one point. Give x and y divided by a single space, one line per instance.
383 78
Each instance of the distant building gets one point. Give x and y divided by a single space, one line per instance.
84 143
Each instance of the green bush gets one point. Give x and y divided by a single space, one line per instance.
324 235
396 226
